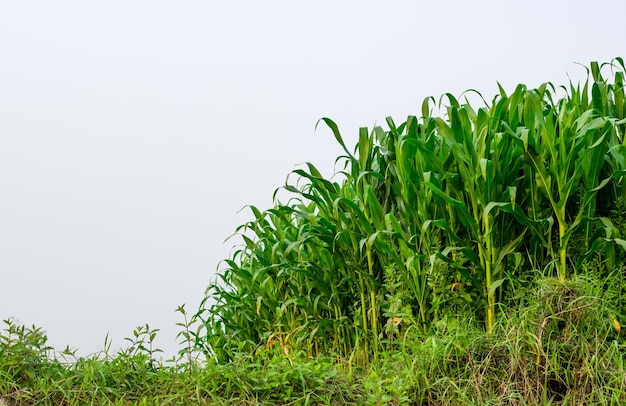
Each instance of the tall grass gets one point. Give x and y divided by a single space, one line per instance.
431 220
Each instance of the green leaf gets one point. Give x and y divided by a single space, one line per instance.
331 124
495 285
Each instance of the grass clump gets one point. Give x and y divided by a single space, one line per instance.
560 346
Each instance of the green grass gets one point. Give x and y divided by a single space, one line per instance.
471 258
558 347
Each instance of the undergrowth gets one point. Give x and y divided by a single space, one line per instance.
563 346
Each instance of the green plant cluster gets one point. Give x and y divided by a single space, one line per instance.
471 259
434 220
558 347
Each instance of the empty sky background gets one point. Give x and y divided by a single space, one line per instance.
132 132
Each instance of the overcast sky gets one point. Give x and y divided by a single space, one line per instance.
132 132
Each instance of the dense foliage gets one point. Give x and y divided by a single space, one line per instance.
475 258
433 221
558 347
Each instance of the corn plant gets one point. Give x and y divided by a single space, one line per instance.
435 209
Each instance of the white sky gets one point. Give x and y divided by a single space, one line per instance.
132 132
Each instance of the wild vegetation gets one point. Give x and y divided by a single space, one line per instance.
436 219
476 257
